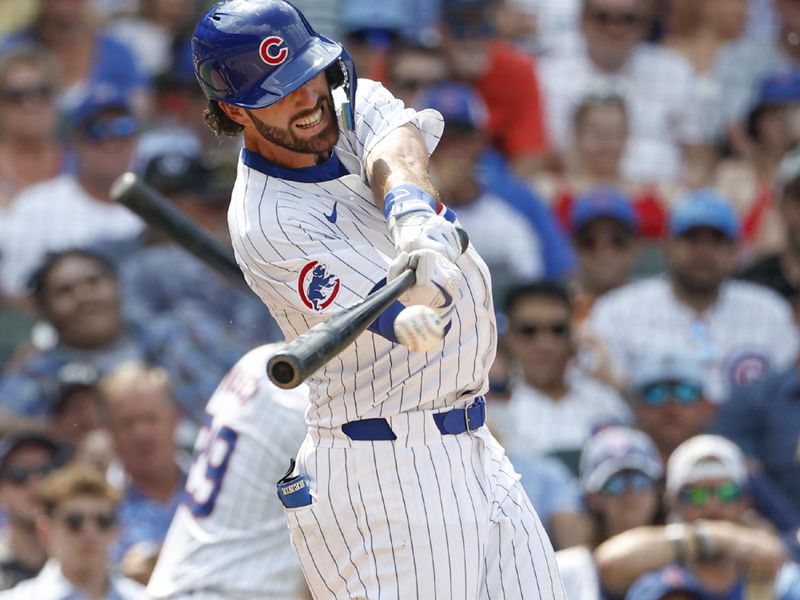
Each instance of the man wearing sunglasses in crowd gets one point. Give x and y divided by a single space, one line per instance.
714 546
554 406
25 459
78 526
74 209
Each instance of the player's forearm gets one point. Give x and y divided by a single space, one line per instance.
401 157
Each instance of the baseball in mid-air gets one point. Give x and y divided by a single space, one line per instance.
419 327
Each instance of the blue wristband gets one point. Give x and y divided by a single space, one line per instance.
407 198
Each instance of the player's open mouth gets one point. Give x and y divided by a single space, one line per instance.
312 120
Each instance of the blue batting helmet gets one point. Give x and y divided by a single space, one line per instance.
252 53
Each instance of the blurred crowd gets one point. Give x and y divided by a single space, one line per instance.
630 171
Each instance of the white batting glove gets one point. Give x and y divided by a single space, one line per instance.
438 279
425 230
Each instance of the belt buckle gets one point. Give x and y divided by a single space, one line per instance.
466 415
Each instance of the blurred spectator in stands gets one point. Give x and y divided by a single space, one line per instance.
764 420
150 289
143 419
506 79
748 181
153 32
738 330
744 64
712 547
85 57
666 123
668 398
77 293
26 457
780 270
370 31
555 24
600 136
507 241
16 325
75 412
412 68
713 25
72 210
553 408
620 473
78 527
29 150
605 234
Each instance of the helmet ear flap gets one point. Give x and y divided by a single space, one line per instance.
334 75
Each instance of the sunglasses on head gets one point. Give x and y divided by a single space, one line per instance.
531 330
118 127
619 483
40 92
657 394
21 475
75 521
607 17
726 493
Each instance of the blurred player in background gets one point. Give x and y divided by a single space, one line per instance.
229 539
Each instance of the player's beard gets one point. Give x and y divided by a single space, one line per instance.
321 143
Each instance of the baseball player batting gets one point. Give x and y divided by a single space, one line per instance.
229 539
399 490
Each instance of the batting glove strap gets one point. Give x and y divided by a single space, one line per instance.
438 280
405 199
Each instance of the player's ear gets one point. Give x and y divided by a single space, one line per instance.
235 113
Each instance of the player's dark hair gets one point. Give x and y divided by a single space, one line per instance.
38 278
220 123
549 290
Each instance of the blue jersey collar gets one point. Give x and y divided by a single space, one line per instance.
327 171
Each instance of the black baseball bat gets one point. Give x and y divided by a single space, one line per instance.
293 364
153 208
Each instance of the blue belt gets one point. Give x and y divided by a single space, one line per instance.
451 422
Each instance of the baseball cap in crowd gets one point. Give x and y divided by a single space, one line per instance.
602 202
662 364
704 457
376 23
704 208
468 18
97 100
71 378
616 449
778 88
17 440
174 172
460 104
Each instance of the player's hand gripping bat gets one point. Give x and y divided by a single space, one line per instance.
308 352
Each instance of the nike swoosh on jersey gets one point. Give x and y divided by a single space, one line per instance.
332 217
448 299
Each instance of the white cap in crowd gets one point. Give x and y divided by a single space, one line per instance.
704 457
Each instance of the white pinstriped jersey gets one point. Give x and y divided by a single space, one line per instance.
229 539
311 242
747 332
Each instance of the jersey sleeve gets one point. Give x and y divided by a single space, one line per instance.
378 113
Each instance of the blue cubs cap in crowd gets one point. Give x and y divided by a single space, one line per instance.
459 104
778 88
97 100
669 580
616 449
602 202
704 208
661 365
